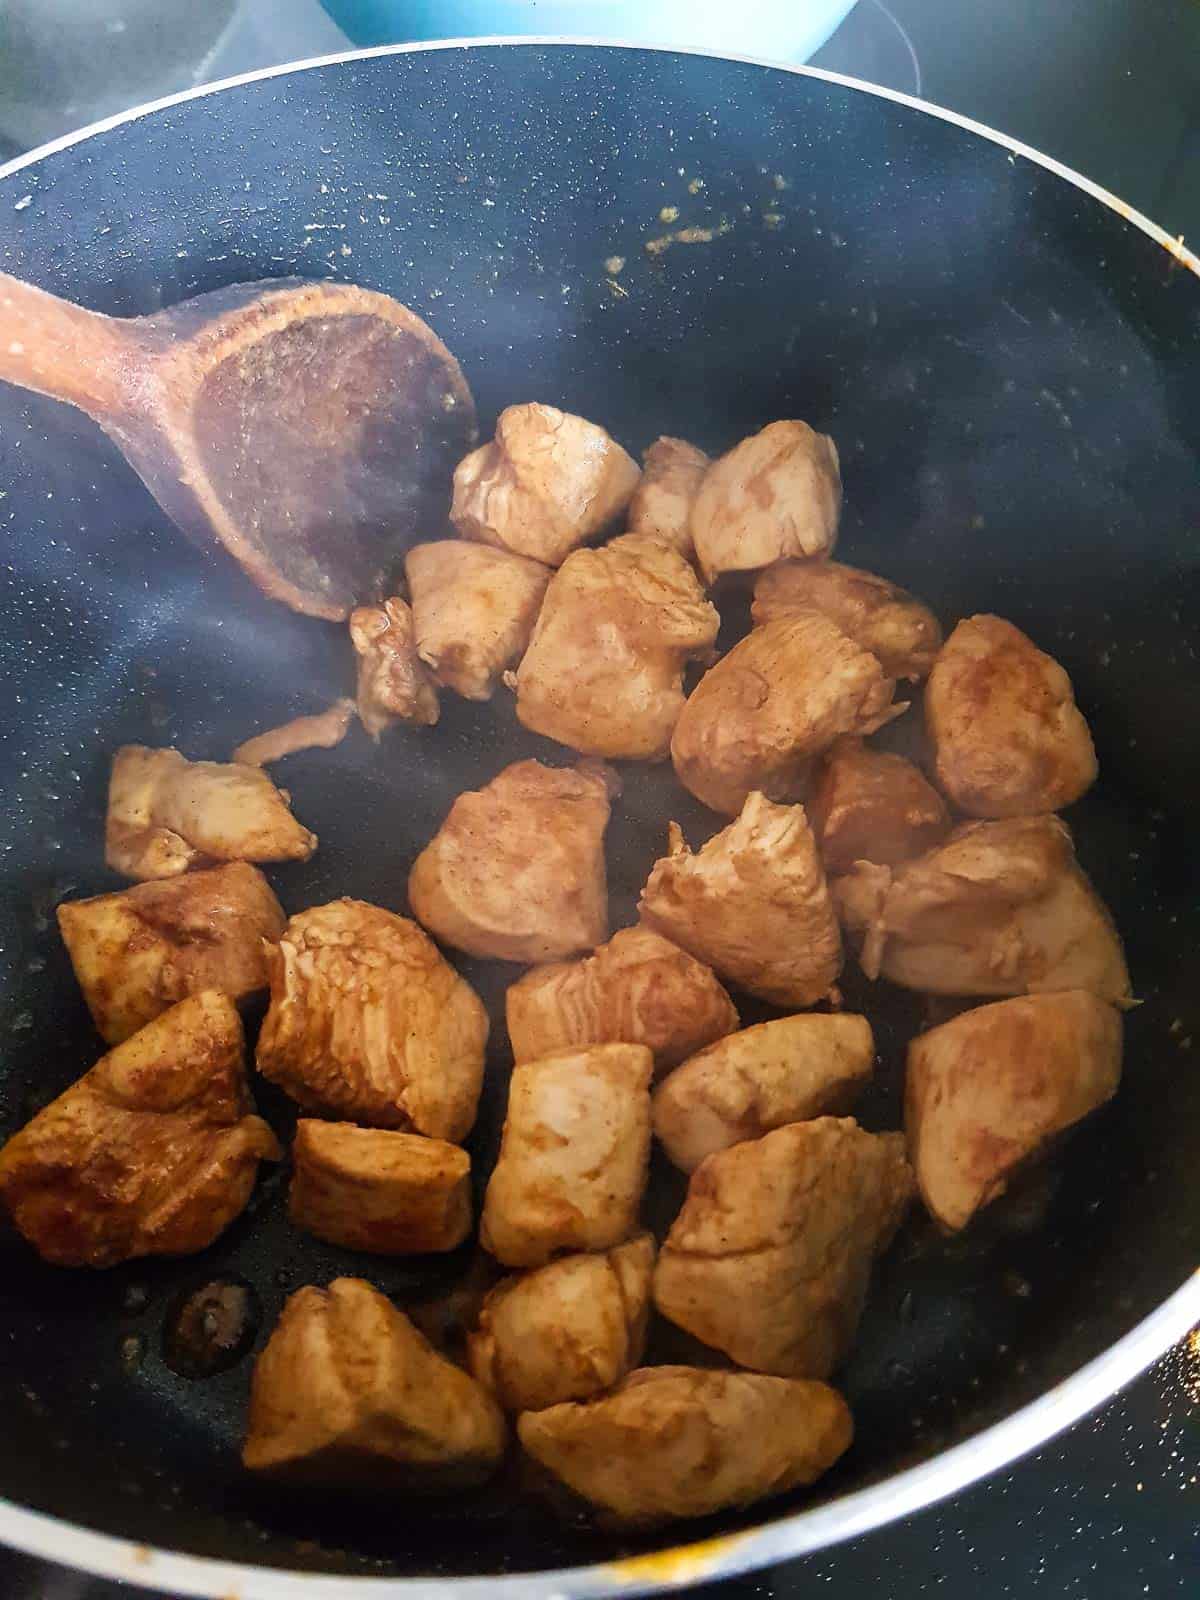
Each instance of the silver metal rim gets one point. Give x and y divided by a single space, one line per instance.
801 1533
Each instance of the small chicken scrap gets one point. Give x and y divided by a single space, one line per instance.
604 669
141 950
868 805
771 1256
1008 738
348 1393
320 731
369 1023
547 483
987 1091
900 632
374 1189
662 503
567 1331
167 814
393 684
684 1442
780 697
788 1070
153 1152
473 611
516 871
639 988
573 1157
753 904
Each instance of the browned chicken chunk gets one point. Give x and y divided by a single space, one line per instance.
323 730
987 1091
516 871
899 631
393 683
868 805
375 1189
771 1256
368 1022
662 503
1008 738
153 1152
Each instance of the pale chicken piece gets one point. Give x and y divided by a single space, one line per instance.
684 1442
780 697
516 872
153 1152
567 1331
604 669
752 903
869 805
141 950
1008 738
548 482
321 731
898 629
662 503
166 814
573 1157
639 988
770 1259
790 1070
349 1394
987 1091
394 685
776 494
1000 908
473 610
369 1023
376 1189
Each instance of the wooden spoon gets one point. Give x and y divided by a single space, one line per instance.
310 428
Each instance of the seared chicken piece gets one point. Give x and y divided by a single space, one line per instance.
1000 908
547 482
753 904
348 1393
771 1256
987 1091
166 814
777 494
573 1157
369 1023
899 631
321 731
567 1331
662 502
867 805
685 1442
639 988
1008 738
153 1152
393 684
473 609
781 696
789 1070
143 949
375 1189
604 670
516 871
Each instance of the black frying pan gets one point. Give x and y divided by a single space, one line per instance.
1010 370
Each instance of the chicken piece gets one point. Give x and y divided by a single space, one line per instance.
1000 908
573 1157
166 814
604 670
900 632
142 950
516 871
867 805
547 483
393 684
473 609
1008 738
153 1152
777 494
771 1256
685 1442
789 1070
367 1022
349 1394
662 502
753 904
567 1331
989 1090
394 1194
321 731
780 697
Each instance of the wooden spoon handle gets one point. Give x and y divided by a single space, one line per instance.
62 350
